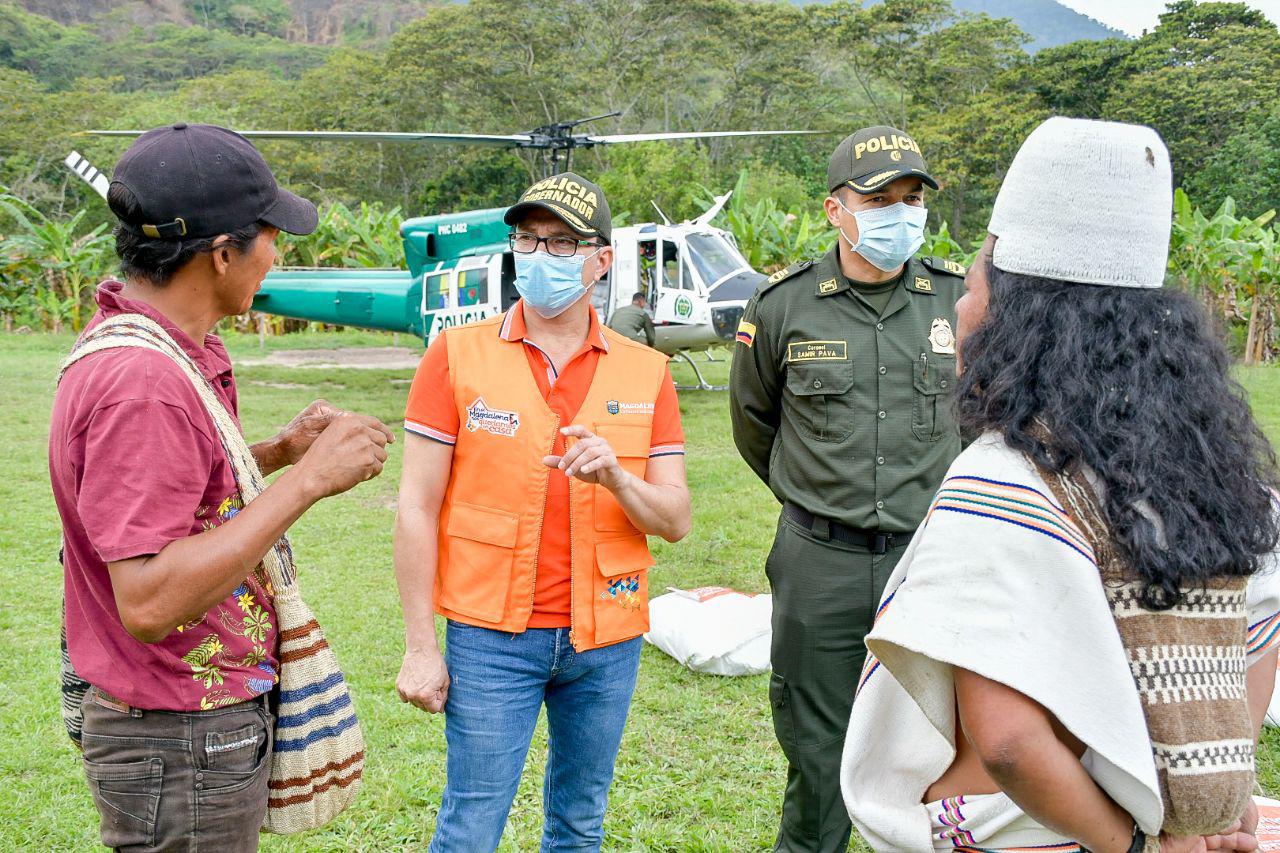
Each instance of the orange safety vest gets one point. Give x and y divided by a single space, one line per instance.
491 518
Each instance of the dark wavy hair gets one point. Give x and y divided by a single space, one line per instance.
155 259
1133 383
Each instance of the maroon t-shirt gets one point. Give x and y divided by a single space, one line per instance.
135 464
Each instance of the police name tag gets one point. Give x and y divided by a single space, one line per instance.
818 351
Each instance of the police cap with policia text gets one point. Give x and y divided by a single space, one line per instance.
872 158
573 199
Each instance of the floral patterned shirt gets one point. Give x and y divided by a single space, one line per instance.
135 464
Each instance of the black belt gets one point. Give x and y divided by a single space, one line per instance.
873 540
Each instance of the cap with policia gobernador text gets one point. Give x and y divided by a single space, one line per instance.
576 201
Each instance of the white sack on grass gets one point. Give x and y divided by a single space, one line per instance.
713 629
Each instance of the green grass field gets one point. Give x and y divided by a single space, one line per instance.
699 769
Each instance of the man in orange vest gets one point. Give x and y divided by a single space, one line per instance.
542 447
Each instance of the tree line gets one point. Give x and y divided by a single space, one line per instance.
1206 77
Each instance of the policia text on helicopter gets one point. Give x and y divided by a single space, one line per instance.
542 449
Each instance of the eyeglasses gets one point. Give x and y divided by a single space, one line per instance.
527 244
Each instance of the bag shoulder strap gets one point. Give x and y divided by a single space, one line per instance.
135 330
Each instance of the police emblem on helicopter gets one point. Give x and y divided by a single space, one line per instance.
684 306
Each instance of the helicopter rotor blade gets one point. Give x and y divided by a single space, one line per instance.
501 141
609 139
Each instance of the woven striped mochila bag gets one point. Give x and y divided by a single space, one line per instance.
319 751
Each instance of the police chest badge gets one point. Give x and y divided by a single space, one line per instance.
941 337
492 421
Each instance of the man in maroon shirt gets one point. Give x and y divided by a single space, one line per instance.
169 613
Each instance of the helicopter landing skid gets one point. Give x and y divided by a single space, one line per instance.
703 384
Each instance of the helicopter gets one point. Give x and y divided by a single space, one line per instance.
460 269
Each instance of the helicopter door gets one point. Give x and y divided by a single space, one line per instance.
670 298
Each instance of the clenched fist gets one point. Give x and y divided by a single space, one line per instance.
424 680
350 450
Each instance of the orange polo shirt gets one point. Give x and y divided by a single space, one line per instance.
432 413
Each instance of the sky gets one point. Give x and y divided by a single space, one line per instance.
1133 16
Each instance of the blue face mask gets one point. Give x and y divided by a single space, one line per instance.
887 236
549 284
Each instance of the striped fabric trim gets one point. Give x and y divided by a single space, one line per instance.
1069 847
505 328
310 690
427 432
953 818
340 703
331 767
666 450
1264 635
870 668
1012 504
304 630
298 654
301 743
872 664
338 782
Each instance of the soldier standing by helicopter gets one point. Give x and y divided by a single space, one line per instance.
839 402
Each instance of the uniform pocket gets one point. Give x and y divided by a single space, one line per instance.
127 796
816 389
630 443
784 727
476 576
934 379
622 589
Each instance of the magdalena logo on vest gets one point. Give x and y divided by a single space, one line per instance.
493 421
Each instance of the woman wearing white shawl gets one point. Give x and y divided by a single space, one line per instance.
998 709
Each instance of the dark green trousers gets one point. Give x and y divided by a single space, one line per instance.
825 595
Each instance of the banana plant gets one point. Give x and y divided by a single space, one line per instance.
70 264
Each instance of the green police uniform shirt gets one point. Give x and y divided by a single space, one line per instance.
842 409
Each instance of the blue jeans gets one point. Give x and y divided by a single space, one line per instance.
499 682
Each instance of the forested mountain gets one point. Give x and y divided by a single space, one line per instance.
964 86
312 21
1048 23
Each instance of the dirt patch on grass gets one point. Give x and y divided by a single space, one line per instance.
366 358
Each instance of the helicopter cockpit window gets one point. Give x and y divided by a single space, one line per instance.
473 286
435 291
688 281
714 257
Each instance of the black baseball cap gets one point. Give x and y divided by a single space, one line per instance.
576 201
875 156
201 180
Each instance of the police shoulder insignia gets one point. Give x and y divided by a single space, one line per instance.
828 286
923 285
945 265
784 274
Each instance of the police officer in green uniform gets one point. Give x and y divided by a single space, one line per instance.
839 397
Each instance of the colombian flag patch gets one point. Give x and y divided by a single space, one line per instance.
746 333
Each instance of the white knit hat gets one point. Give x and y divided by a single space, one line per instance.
1086 201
